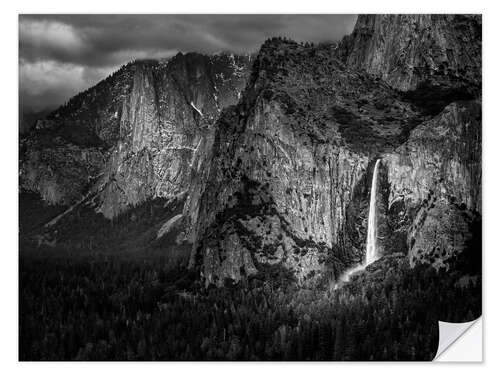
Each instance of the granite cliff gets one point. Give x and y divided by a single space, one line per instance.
133 136
435 57
435 185
433 179
287 181
274 155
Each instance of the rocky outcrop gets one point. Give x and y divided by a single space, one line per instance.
287 163
435 62
418 51
135 135
440 233
442 157
289 170
435 185
60 173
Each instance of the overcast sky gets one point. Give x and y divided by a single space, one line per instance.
60 55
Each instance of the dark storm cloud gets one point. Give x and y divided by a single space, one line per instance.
60 55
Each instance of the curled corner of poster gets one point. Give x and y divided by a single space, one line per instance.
460 342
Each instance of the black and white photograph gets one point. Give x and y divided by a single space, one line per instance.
247 187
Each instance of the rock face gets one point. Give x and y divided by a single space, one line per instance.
442 157
281 177
290 165
435 179
418 51
440 233
134 135
435 62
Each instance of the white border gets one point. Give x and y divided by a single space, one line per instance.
8 160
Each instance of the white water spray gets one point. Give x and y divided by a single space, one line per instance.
371 237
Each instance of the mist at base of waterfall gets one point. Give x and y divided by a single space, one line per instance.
346 276
371 237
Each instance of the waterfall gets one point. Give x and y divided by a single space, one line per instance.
371 237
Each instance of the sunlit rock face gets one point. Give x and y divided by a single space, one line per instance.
286 163
442 157
435 62
134 135
279 174
435 185
273 198
410 51
286 182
